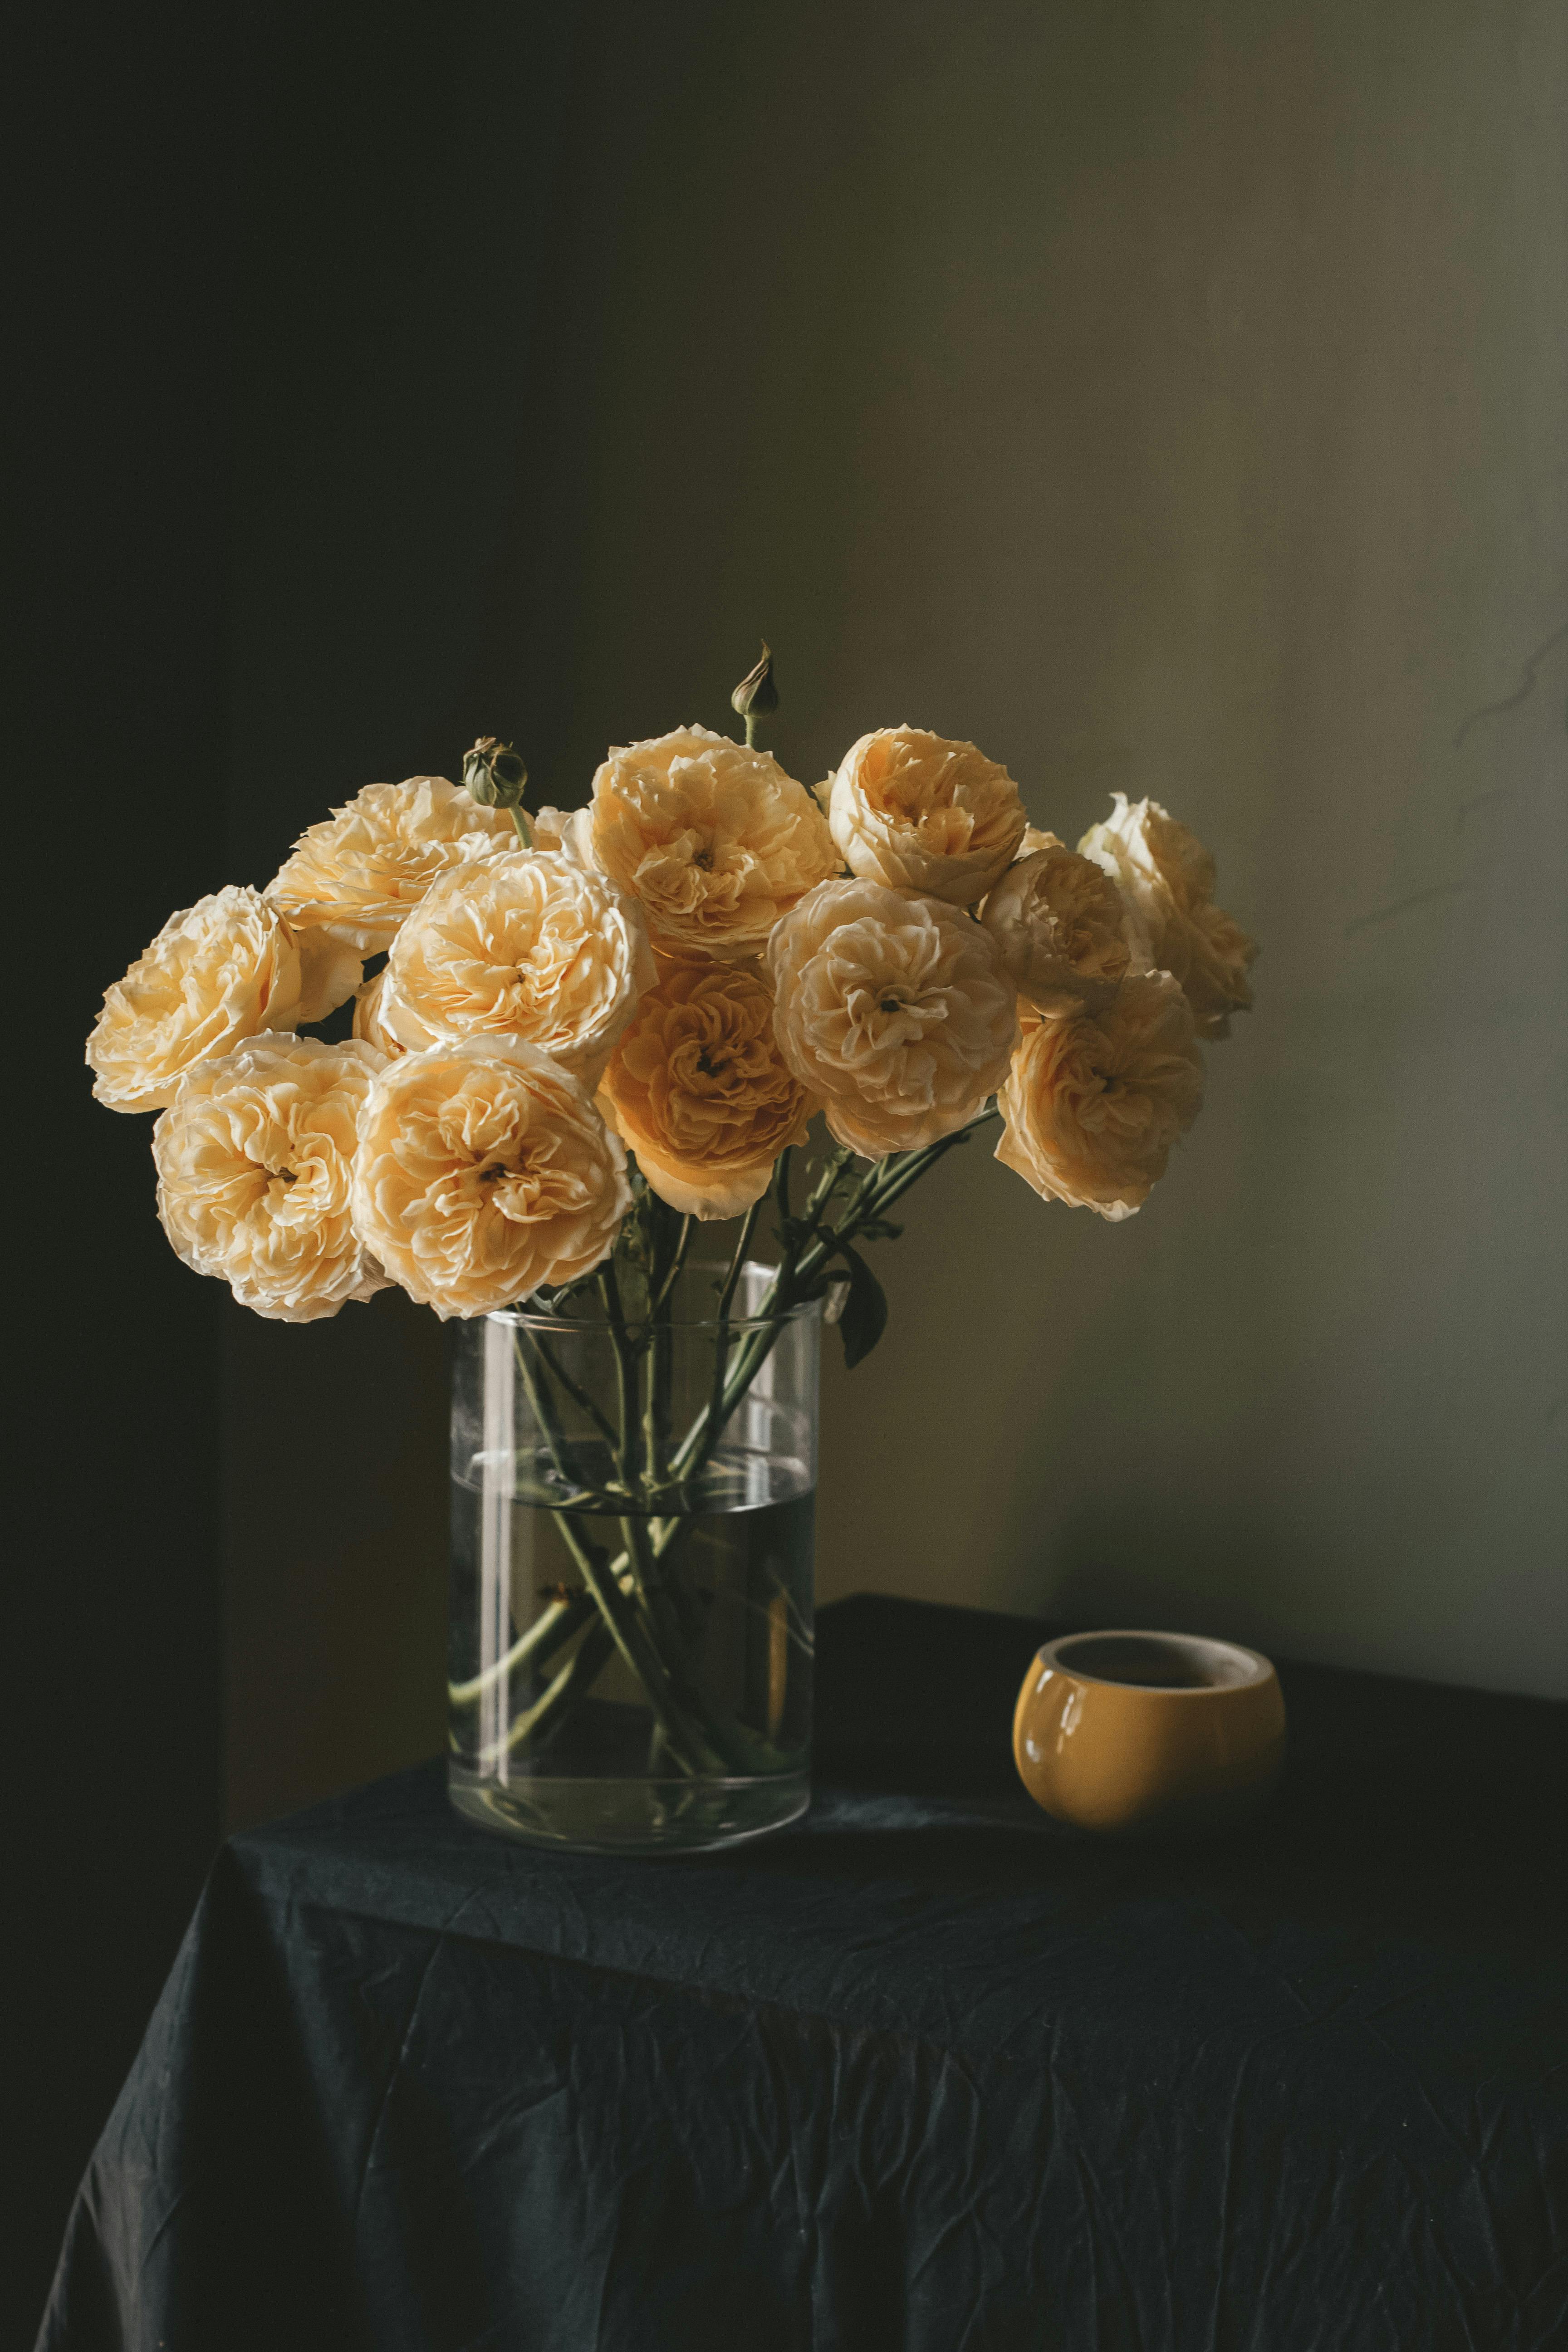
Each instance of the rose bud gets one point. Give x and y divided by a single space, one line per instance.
494 774
756 697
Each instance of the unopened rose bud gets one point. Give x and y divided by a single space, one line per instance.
494 774
756 697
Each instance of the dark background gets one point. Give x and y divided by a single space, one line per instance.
1167 391
120 462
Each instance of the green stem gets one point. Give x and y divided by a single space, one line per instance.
731 1740
828 1184
780 1181
579 1395
657 1348
524 832
738 1259
548 1630
581 1669
677 1265
631 1639
544 1414
721 1336
626 1371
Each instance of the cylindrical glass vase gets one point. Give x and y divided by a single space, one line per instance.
632 1554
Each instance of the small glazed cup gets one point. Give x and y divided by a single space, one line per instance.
1132 1733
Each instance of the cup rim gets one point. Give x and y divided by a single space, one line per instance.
1257 1668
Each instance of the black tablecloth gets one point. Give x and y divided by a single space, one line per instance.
923 2071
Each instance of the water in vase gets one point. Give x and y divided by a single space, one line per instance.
625 1676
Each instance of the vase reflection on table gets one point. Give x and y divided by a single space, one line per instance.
632 1554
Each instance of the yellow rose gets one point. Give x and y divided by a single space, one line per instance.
895 1009
1063 928
1094 1103
699 1091
484 1171
569 831
329 974
359 873
530 945
915 811
1034 839
224 969
1168 876
254 1159
368 1023
715 840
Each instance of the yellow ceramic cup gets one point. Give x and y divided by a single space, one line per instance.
1136 1731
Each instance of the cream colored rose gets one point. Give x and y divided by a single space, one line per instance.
484 1171
716 841
224 969
918 813
895 1009
1064 931
330 973
569 831
1168 875
698 1089
254 1158
530 946
1094 1103
359 873
368 1023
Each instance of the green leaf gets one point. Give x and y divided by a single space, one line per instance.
864 1315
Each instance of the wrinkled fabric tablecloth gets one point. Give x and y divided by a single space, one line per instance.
925 2070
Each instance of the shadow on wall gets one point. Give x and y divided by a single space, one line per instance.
1166 1571
336 1551
1171 405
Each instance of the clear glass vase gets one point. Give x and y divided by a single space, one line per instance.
632 1553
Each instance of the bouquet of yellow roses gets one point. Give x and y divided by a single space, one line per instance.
685 970
579 1038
